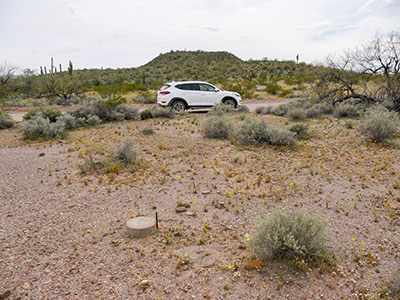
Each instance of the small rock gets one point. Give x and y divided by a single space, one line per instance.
187 205
144 284
5 295
191 213
206 192
61 141
41 154
220 205
71 150
26 286
180 209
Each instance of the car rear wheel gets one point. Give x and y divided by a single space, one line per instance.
230 102
178 106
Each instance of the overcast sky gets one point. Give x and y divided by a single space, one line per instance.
129 33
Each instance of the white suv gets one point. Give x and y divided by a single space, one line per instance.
194 94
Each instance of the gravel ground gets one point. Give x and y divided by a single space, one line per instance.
62 232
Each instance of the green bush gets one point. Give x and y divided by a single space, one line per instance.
220 109
5 120
146 114
259 110
69 121
40 126
93 121
290 236
297 114
125 153
324 107
273 88
216 127
106 111
242 109
313 113
51 114
281 110
157 112
285 92
379 123
346 110
256 131
300 131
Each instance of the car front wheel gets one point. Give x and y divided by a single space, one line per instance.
178 106
230 102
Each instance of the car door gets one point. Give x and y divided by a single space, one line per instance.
209 95
190 92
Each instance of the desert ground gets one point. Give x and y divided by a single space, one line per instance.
62 224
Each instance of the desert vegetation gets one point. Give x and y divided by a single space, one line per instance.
299 200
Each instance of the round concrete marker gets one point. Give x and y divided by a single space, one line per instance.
140 227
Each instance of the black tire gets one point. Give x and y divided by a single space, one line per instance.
230 102
178 106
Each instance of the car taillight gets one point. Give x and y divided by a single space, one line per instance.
165 92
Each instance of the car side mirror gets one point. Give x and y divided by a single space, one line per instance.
217 90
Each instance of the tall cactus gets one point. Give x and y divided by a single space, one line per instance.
70 68
60 68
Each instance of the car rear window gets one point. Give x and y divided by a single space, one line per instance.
188 86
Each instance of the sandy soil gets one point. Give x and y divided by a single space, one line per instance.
62 232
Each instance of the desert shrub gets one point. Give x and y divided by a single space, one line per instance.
106 110
216 127
281 110
273 88
297 114
220 109
379 123
40 102
259 110
242 109
285 92
344 110
125 153
69 121
290 236
256 131
128 112
324 107
313 112
5 120
146 114
93 121
40 126
51 114
148 130
113 101
158 112
300 131
348 125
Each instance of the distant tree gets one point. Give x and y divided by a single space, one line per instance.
7 72
370 73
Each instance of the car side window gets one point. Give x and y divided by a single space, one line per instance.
188 87
206 87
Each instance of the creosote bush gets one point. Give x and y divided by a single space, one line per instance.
290 236
125 153
220 109
379 123
5 120
256 131
216 127
40 126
